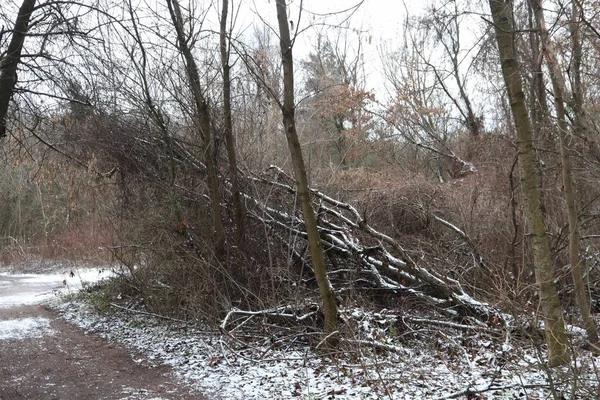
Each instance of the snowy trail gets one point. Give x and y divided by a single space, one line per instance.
31 289
45 357
22 289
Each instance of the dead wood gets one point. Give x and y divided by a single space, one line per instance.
366 254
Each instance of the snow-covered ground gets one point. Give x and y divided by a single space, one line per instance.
423 362
437 364
27 289
22 328
22 289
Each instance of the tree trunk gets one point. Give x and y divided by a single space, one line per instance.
228 127
556 337
310 221
582 127
559 87
538 103
204 125
8 64
141 67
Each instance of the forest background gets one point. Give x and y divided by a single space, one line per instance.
448 159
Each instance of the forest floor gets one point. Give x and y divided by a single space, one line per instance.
66 349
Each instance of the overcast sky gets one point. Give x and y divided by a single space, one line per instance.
378 22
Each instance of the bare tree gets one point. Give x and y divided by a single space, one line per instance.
423 110
447 33
585 126
560 91
552 312
10 61
289 122
204 124
228 124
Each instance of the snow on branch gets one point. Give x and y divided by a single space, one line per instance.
388 264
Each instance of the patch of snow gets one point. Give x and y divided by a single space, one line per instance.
25 328
138 394
435 364
576 331
23 289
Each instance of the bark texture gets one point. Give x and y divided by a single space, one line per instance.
560 90
310 220
204 125
228 126
10 62
556 337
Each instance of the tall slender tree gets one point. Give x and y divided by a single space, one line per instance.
228 125
583 124
560 91
10 61
552 312
289 122
204 125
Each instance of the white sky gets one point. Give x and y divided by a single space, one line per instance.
381 20
378 21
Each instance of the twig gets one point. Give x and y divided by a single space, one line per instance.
376 345
326 338
147 313
471 391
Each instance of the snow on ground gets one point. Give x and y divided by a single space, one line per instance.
427 362
24 328
438 365
23 289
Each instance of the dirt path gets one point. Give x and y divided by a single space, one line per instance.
44 357
61 362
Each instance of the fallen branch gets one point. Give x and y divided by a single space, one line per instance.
447 324
477 257
389 264
477 390
275 312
